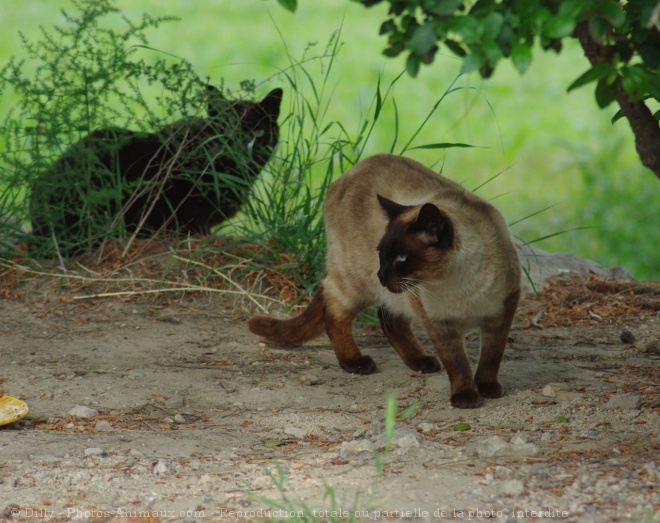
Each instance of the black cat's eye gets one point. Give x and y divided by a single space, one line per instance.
401 258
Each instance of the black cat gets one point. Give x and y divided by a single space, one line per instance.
185 178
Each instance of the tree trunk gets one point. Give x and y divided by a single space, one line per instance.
644 126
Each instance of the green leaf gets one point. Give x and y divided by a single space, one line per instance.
390 419
388 26
289 5
574 8
599 29
460 427
423 39
410 409
472 62
521 56
597 72
635 82
650 55
491 26
605 92
441 7
379 100
617 116
612 11
562 419
393 51
559 27
412 65
445 145
455 47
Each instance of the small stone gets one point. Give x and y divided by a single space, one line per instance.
425 427
179 419
549 391
627 337
633 413
356 450
406 438
310 379
296 432
103 426
520 438
525 449
490 447
510 487
160 468
168 420
552 390
95 451
82 412
627 401
502 472
174 402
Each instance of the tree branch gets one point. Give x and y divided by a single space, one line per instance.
644 126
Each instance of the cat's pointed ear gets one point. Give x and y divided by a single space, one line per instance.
217 103
392 209
435 225
271 103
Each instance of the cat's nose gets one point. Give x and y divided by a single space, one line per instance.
381 277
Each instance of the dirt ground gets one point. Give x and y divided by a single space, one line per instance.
198 420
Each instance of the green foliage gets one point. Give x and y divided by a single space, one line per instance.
80 76
486 31
618 234
289 5
295 511
284 213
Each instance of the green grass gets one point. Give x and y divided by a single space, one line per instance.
551 148
363 505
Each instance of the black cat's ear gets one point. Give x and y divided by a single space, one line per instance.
435 226
271 103
217 103
392 209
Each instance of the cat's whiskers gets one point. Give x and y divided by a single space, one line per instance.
423 291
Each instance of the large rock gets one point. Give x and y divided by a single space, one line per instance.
539 265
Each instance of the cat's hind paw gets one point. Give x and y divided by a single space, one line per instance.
361 365
466 399
491 389
425 365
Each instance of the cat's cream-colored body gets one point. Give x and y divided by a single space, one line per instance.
419 246
484 267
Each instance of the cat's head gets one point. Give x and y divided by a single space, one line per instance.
416 246
252 124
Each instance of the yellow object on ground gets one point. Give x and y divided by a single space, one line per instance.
11 409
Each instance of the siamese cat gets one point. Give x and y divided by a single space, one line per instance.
184 178
419 246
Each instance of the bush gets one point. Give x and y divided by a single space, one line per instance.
85 74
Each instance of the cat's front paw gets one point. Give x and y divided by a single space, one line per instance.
425 365
491 389
361 365
466 399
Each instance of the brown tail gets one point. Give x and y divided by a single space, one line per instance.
294 331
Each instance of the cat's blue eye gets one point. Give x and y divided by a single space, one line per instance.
400 258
